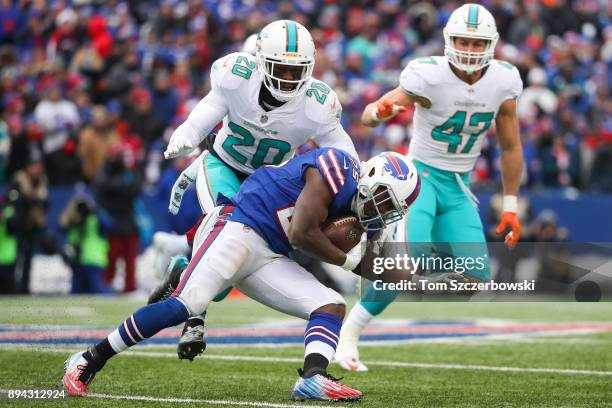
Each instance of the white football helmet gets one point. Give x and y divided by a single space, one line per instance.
388 178
470 21
250 44
285 43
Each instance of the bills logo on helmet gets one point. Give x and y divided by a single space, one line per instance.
397 168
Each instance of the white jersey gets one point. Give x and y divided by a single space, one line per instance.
251 137
449 134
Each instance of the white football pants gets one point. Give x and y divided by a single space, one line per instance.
228 253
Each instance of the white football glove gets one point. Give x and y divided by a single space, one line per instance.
178 148
180 143
354 256
182 183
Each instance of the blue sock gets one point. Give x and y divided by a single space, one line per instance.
148 321
322 334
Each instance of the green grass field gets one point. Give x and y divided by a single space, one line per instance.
554 370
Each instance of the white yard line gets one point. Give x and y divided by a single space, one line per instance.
264 359
202 401
195 401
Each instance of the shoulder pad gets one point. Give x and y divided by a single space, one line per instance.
430 69
233 70
322 104
510 78
421 73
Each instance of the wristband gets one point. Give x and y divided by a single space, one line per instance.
395 110
510 203
374 115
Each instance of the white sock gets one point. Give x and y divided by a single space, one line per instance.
320 347
357 319
360 316
116 341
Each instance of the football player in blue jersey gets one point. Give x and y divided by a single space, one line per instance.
269 104
244 243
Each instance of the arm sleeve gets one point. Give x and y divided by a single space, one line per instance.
203 118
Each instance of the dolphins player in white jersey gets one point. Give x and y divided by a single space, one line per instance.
456 99
270 105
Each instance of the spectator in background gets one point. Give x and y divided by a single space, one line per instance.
28 195
364 45
5 148
8 249
601 174
560 163
66 37
95 141
395 136
123 70
536 97
86 248
21 143
141 118
110 48
188 215
560 18
117 187
57 117
11 17
530 27
165 100
555 266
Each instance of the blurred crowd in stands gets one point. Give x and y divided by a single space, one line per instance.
91 90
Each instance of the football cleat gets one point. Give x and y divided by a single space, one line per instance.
79 374
323 387
352 364
164 290
191 343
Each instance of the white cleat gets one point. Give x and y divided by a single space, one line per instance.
352 364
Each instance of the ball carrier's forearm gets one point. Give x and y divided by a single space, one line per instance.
311 210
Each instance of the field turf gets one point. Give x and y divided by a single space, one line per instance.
555 370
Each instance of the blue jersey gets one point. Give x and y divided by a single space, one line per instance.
266 199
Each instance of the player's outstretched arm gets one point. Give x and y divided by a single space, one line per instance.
511 150
311 210
200 122
386 107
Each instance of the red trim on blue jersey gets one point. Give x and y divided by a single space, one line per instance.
204 247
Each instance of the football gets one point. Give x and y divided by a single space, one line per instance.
343 231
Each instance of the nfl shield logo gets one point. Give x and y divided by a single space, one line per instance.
263 118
